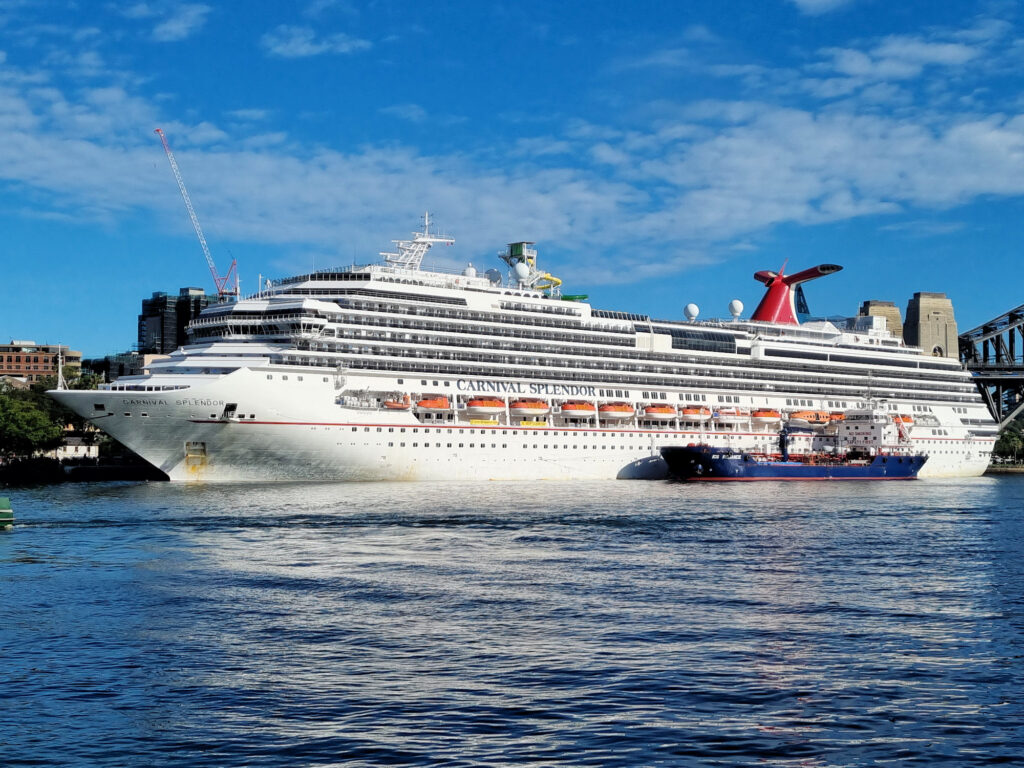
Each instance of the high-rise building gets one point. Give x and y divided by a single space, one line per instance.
164 318
886 309
32 362
931 325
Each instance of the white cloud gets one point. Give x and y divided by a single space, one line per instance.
183 21
816 7
413 113
288 41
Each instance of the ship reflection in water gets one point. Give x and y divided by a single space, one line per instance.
505 623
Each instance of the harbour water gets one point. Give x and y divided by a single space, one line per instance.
613 623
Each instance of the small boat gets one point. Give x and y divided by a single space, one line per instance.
732 416
716 463
434 404
396 403
580 408
6 513
615 411
809 419
485 406
659 412
521 408
766 416
694 413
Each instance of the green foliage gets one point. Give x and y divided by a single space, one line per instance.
1011 442
26 424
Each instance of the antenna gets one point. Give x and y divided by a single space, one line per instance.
410 253
224 287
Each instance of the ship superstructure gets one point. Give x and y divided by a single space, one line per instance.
391 371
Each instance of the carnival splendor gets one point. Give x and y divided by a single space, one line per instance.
393 372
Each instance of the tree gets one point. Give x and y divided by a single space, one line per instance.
25 427
1011 442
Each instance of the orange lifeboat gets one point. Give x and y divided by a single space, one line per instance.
808 419
579 408
732 416
766 416
615 410
695 413
526 408
434 404
659 412
396 404
837 416
485 406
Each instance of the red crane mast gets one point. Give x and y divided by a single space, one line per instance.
226 288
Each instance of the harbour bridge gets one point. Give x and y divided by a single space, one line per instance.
994 353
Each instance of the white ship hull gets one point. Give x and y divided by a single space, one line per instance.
310 379
298 431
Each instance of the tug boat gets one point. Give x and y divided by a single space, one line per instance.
615 411
867 446
706 463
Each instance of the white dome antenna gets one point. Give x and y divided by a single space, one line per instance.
735 309
691 311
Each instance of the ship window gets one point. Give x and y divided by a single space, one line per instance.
354 429
391 445
401 445
98 407
284 378
366 429
143 414
299 378
461 445
269 376
127 414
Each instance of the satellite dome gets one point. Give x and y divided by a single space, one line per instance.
469 271
522 270
735 309
691 311
494 276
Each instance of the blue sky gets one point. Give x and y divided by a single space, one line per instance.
658 152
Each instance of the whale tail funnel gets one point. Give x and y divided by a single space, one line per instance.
778 305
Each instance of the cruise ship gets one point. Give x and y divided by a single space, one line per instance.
390 371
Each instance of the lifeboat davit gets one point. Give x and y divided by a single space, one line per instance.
578 408
659 412
732 416
615 410
485 406
695 413
434 404
904 419
766 416
397 403
809 419
525 408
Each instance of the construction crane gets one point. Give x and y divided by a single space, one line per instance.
226 288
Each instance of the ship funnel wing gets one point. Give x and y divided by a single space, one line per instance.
779 302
